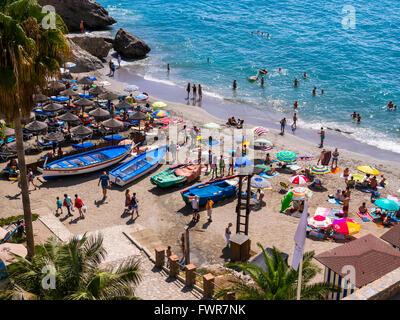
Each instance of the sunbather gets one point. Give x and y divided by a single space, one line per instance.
363 209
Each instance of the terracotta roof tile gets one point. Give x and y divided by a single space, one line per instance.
392 236
371 257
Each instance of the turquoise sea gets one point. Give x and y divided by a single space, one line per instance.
357 67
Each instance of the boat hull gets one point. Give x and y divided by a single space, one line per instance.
50 173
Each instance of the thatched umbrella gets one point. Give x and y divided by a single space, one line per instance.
36 126
81 131
69 93
12 146
85 81
83 102
113 124
109 96
39 98
69 117
54 137
97 91
123 104
9 132
99 113
57 86
139 116
52 107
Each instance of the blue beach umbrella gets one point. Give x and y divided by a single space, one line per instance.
242 162
286 156
387 204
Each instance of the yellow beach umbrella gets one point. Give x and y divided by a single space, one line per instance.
368 170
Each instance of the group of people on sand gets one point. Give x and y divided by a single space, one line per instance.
195 90
232 122
131 203
112 65
69 205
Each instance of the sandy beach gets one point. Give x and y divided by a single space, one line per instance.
165 214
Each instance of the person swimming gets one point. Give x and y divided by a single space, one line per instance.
262 81
295 104
296 82
358 118
305 75
314 92
354 115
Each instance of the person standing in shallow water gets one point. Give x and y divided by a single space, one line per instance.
200 92
194 92
234 85
322 135
188 90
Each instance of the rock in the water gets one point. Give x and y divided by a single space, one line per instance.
93 15
95 45
130 46
85 62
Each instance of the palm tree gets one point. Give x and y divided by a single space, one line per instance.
278 281
77 273
29 57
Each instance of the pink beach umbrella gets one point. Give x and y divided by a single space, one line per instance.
298 179
319 222
346 226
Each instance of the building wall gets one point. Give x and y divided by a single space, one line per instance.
347 288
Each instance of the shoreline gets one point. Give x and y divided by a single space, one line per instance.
222 109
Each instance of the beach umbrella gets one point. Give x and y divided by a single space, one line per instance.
319 222
211 125
7 249
286 156
300 193
81 131
52 107
346 226
69 65
85 81
138 116
54 137
264 142
123 104
260 130
109 96
141 96
320 169
387 204
96 91
368 170
103 83
38 98
298 179
357 177
113 124
12 146
160 114
69 93
305 157
69 117
264 167
159 104
100 113
260 183
9 132
36 126
242 162
131 88
58 86
83 102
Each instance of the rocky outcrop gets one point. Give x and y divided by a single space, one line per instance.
130 46
93 15
92 43
85 62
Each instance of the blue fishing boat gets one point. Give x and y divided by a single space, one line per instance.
216 190
137 166
85 162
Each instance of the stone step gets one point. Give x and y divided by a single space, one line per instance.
56 226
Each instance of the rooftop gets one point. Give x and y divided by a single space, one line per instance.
392 236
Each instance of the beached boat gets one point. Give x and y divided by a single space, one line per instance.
177 175
216 190
85 162
138 166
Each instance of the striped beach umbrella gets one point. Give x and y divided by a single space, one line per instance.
298 179
159 104
300 193
260 183
319 169
69 65
211 125
346 226
260 130
368 170
286 156
319 222
160 114
263 142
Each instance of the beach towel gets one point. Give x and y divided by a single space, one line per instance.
365 217
322 211
294 167
327 158
267 176
335 201
336 170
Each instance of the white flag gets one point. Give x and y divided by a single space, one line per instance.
300 238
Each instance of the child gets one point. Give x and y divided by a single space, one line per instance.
59 205
209 206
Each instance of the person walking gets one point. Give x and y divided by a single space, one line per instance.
295 119
188 90
134 205
105 182
195 208
231 163
209 206
200 92
30 177
79 205
214 168
68 204
322 135
260 197
335 157
59 205
228 233
168 69
283 124
127 200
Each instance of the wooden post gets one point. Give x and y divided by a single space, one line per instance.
208 285
160 257
173 266
190 275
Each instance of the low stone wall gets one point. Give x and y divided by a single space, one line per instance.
382 289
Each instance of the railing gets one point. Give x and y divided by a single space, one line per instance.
205 283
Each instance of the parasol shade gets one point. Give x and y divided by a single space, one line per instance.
52 107
36 126
298 179
54 137
368 170
69 117
85 81
138 116
319 169
387 204
346 226
286 156
99 113
113 123
81 131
